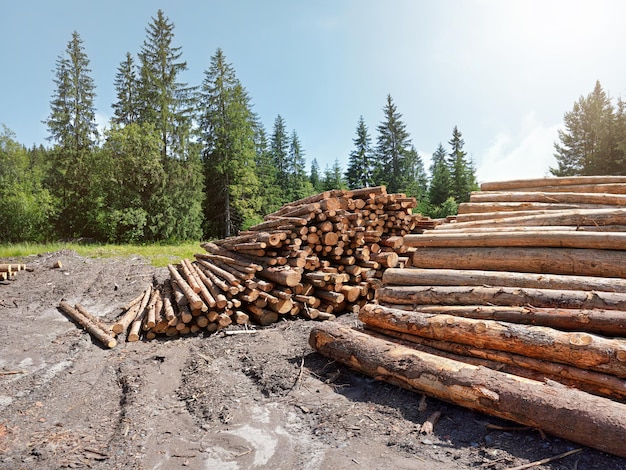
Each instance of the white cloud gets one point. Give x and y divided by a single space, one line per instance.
527 153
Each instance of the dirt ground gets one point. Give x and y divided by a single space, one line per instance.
248 401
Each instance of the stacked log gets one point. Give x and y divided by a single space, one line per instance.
525 291
313 258
9 270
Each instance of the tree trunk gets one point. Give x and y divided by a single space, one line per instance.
555 198
520 185
564 412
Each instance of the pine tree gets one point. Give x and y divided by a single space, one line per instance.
333 177
228 125
413 179
393 145
439 189
73 130
168 105
162 100
588 144
462 173
359 171
279 148
297 182
314 177
125 109
272 192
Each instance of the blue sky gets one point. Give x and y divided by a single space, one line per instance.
503 71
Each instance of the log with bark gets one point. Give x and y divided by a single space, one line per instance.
91 326
564 412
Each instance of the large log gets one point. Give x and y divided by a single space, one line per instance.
571 261
554 198
564 412
469 277
600 321
574 217
490 207
536 238
501 295
518 185
524 366
578 349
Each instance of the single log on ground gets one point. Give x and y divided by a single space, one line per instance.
524 366
567 413
571 261
469 277
92 328
537 238
599 321
579 349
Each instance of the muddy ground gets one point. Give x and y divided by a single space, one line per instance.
255 401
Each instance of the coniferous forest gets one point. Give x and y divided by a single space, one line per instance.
182 161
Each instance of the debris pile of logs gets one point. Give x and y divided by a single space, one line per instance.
314 258
8 271
517 308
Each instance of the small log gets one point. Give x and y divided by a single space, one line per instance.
195 302
94 329
262 316
564 412
578 349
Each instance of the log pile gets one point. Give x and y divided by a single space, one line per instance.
313 258
517 304
8 270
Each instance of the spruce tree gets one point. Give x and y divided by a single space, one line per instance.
227 125
314 176
271 190
125 109
163 100
588 144
297 182
439 189
333 177
413 177
73 130
462 172
279 148
359 171
392 147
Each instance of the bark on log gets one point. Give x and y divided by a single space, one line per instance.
473 208
500 295
537 238
556 198
575 217
571 261
195 302
599 321
556 182
127 318
91 327
536 369
468 277
578 349
567 413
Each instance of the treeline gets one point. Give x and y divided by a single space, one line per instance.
180 162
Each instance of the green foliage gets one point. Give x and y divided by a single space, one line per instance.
359 172
228 129
315 178
25 205
439 189
126 86
448 207
271 195
333 178
461 169
592 142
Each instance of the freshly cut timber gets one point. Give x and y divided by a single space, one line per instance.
550 198
94 329
469 277
578 349
571 261
564 412
537 238
576 181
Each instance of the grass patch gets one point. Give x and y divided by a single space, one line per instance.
158 255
